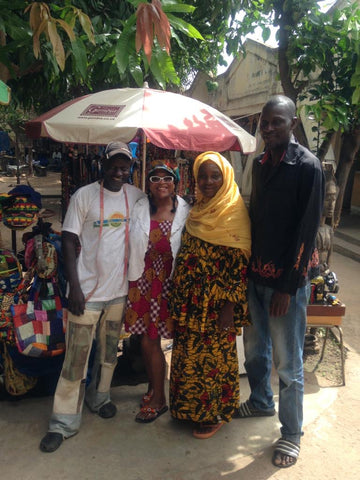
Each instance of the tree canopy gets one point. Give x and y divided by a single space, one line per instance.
53 51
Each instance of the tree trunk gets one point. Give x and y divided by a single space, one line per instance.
324 147
285 74
349 148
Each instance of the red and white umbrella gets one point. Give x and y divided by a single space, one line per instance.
168 120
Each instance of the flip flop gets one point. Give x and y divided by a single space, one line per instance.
204 430
149 414
247 410
285 448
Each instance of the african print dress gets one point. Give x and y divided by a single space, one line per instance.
204 378
147 308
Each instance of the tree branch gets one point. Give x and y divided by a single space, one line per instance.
325 144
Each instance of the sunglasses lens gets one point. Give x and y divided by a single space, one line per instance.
156 179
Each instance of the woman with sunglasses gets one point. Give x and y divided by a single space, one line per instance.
208 300
155 238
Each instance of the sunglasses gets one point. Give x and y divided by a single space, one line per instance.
156 179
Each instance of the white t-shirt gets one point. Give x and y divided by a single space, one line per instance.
101 261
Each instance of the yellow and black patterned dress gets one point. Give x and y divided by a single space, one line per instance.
204 380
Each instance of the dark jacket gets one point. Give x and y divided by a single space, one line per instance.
285 209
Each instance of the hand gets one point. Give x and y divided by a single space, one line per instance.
226 316
279 305
76 301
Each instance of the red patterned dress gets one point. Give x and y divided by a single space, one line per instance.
147 304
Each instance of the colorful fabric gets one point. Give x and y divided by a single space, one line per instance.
6 320
43 255
223 219
10 271
26 191
39 324
10 278
204 380
147 310
20 214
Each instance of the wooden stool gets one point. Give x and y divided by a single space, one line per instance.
328 316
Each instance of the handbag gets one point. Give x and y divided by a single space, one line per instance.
39 324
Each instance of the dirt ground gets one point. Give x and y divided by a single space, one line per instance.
328 371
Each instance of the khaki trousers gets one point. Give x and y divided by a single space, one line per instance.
104 324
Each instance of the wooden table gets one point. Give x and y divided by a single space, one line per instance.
328 317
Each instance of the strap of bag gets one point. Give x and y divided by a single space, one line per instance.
89 295
127 221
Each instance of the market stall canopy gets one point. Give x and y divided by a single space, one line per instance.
169 120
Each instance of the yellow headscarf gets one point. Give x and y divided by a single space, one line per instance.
223 219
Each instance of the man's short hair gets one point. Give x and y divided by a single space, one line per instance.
277 100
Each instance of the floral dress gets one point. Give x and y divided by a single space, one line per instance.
204 378
147 306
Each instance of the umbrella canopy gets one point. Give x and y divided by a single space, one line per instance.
168 120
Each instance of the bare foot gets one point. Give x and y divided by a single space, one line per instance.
283 461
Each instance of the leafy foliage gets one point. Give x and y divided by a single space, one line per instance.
332 63
151 22
58 50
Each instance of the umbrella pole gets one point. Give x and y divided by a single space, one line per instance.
143 162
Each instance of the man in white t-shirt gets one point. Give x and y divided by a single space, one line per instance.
97 223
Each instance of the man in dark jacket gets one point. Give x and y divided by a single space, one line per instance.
285 210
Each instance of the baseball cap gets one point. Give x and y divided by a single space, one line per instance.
118 148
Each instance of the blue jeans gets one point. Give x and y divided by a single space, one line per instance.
280 339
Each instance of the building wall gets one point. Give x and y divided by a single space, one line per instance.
249 81
245 86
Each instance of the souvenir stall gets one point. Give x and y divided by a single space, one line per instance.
32 297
